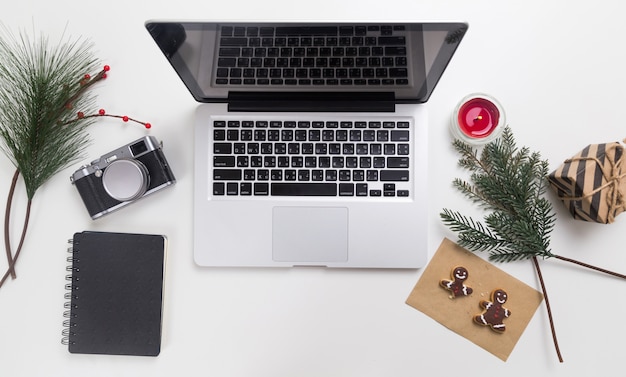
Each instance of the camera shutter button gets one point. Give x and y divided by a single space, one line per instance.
125 180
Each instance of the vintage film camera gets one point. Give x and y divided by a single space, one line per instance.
122 176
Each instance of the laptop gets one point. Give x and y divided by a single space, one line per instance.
310 138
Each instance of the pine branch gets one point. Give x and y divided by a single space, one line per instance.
508 181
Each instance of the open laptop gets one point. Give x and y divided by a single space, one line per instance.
311 140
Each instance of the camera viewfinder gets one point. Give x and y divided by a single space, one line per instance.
138 148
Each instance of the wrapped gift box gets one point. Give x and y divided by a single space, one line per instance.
592 183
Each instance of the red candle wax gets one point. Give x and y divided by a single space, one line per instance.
478 117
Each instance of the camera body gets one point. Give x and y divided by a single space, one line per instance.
122 176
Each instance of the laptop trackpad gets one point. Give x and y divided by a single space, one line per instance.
310 234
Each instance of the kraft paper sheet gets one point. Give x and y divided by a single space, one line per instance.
457 314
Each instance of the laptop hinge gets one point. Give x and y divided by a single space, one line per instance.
312 102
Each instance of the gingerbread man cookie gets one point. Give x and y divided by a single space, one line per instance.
494 312
459 275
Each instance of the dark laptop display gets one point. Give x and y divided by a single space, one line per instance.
257 66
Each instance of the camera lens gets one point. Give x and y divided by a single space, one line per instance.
125 180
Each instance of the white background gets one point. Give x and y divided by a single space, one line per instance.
558 69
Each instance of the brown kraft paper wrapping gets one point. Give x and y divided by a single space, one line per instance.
457 314
591 184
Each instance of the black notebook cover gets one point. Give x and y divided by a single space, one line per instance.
116 294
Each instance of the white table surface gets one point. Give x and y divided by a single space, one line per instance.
558 69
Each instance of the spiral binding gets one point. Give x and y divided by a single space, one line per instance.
71 295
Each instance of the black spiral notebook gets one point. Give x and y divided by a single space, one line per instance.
115 294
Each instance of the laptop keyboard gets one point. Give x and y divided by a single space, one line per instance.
359 55
347 158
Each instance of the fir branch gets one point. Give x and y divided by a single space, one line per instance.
508 181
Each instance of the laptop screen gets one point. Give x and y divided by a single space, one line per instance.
397 62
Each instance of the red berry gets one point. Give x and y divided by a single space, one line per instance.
87 76
104 76
106 68
125 118
101 112
148 125
80 115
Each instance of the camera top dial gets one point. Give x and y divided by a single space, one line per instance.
125 179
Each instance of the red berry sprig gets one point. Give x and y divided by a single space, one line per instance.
125 118
86 82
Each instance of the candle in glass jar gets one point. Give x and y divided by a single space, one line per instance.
478 119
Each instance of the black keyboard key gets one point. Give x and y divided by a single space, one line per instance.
224 161
358 175
395 51
344 175
317 175
398 72
227 30
245 188
276 175
361 189
243 161
372 175
266 31
230 51
262 175
304 189
389 149
232 188
392 41
219 135
218 188
397 162
261 189
331 175
233 41
249 175
222 148
403 149
304 175
346 189
394 175
346 30
400 135
227 174
227 62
